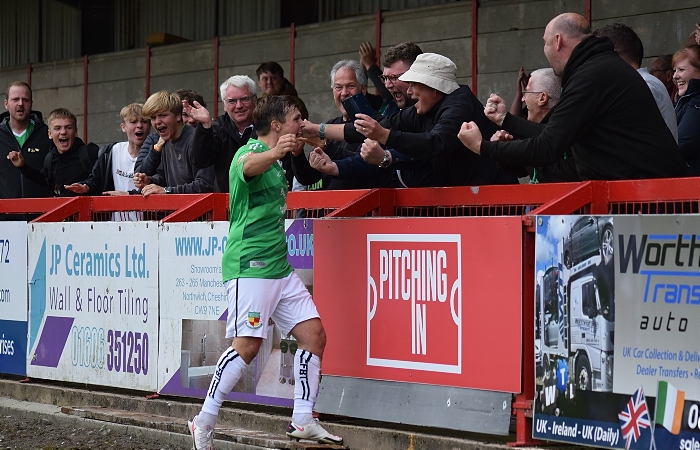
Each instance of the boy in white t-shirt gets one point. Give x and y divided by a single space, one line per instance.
113 173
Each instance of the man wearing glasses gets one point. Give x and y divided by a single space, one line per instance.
397 60
541 94
216 141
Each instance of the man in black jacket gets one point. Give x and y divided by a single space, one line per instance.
69 159
606 114
216 141
21 130
425 131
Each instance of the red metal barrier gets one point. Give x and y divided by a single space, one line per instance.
433 202
668 196
168 208
662 196
418 202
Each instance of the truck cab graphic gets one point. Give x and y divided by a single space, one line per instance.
576 323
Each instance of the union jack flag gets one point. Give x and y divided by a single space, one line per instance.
634 418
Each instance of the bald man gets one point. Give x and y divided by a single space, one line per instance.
603 114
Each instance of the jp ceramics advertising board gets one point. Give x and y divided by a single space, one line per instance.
433 301
13 297
194 314
628 383
93 303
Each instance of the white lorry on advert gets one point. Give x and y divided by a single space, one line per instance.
576 318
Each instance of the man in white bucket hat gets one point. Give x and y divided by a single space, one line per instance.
434 71
425 131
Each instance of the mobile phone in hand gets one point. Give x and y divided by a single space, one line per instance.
358 104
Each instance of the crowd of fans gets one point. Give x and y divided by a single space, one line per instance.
594 114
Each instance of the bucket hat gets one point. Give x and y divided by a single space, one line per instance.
436 71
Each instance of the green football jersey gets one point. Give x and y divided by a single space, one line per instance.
257 245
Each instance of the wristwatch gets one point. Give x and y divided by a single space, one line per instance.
168 190
386 161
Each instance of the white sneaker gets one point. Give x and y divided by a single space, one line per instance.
202 438
313 432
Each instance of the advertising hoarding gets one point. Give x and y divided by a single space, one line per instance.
93 303
434 301
616 335
13 297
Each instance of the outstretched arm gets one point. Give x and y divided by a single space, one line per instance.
331 131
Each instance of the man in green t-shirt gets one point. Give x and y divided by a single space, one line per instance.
260 283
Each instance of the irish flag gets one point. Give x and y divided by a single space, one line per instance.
669 407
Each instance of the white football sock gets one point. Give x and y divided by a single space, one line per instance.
229 370
307 377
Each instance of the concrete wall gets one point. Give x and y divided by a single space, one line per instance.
510 36
59 84
114 80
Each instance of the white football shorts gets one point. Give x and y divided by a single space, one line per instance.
252 302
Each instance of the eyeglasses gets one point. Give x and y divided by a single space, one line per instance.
243 100
391 78
532 92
